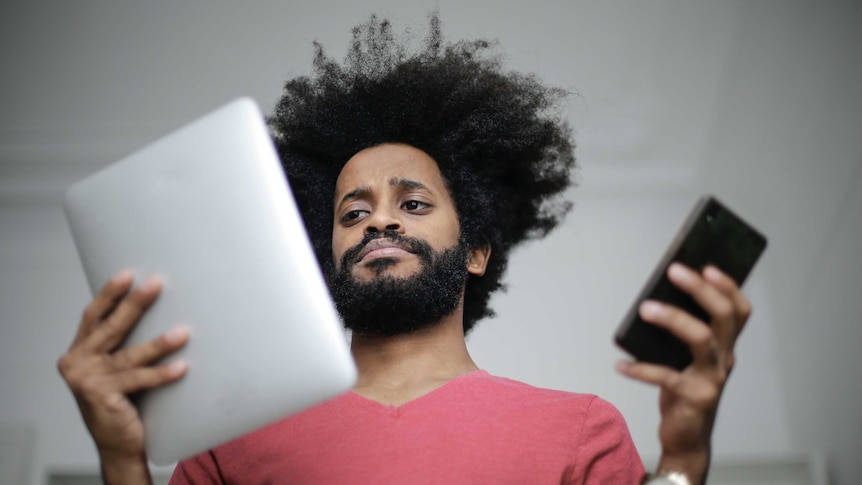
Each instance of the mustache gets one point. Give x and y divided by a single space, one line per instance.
417 246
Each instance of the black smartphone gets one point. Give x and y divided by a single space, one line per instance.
711 234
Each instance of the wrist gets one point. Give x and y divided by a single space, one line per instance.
693 466
124 469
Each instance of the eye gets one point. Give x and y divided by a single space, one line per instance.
415 205
353 216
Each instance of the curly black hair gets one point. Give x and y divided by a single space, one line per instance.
501 146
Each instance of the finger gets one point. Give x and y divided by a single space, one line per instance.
725 284
105 301
700 392
117 325
148 352
143 378
695 334
655 374
712 299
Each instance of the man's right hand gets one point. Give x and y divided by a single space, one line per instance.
101 374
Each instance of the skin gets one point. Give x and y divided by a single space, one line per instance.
688 400
398 187
101 375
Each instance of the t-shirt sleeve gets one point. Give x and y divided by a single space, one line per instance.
607 454
197 470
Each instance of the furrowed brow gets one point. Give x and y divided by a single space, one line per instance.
407 184
354 194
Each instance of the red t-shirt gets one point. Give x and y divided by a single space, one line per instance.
476 429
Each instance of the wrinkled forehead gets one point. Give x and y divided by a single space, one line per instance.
390 164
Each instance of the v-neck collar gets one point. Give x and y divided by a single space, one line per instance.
375 406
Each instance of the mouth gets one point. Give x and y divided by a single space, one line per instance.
382 248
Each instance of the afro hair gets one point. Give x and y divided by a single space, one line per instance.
504 153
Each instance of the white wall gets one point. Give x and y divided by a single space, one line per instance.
788 144
758 103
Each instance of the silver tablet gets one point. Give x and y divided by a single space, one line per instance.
209 211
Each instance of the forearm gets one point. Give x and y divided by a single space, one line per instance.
125 471
694 465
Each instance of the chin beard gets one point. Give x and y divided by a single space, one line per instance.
387 305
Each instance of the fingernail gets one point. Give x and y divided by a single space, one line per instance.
177 367
622 365
712 273
651 309
679 272
123 276
176 335
150 283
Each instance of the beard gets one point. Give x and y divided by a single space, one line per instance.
387 305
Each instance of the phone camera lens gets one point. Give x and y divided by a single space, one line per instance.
711 215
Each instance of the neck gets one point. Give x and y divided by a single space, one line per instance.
398 369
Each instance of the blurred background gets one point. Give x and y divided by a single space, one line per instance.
758 103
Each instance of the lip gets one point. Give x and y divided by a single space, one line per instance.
382 248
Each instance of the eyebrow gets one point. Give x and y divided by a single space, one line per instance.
365 191
356 193
407 184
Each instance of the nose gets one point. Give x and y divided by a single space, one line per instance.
383 219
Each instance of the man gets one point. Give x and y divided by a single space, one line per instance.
416 174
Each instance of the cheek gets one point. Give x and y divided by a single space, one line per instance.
338 248
454 226
344 239
446 232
